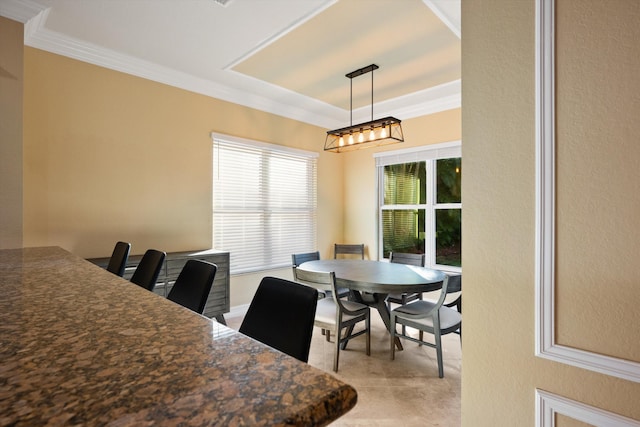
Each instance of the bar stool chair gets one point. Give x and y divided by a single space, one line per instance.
191 288
281 315
147 271
118 260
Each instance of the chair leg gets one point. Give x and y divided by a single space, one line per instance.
367 323
336 352
439 353
347 334
404 302
392 354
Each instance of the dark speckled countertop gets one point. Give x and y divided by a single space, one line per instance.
79 345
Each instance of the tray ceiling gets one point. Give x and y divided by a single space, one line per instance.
287 57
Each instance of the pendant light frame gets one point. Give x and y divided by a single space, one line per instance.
373 133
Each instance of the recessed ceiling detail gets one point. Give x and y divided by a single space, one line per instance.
288 57
413 47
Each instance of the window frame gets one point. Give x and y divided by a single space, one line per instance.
267 152
429 154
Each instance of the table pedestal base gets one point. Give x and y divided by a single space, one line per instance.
377 301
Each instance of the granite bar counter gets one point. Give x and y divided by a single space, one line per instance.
79 345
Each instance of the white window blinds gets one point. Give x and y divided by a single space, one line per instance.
264 203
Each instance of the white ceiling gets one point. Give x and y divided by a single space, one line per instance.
287 57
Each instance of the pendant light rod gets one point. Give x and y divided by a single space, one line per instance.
372 92
356 73
350 101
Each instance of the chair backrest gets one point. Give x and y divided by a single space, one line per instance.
281 315
348 249
443 293
297 259
455 283
191 288
450 284
147 271
407 258
321 279
118 260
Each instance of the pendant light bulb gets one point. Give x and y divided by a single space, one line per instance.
383 132
341 142
361 136
372 135
350 138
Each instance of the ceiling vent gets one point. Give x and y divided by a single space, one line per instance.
223 3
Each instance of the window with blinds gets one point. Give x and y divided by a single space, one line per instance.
264 202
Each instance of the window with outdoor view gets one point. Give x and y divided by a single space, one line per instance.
420 203
264 202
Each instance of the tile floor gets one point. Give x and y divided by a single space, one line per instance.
403 392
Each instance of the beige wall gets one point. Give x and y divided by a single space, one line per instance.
109 156
11 70
597 195
598 208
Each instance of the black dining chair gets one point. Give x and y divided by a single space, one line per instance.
281 315
118 260
148 270
191 288
428 316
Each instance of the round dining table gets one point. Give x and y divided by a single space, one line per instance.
370 282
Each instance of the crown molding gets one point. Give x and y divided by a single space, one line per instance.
20 10
444 97
269 98
448 13
42 38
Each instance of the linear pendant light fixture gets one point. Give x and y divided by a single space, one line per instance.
369 134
